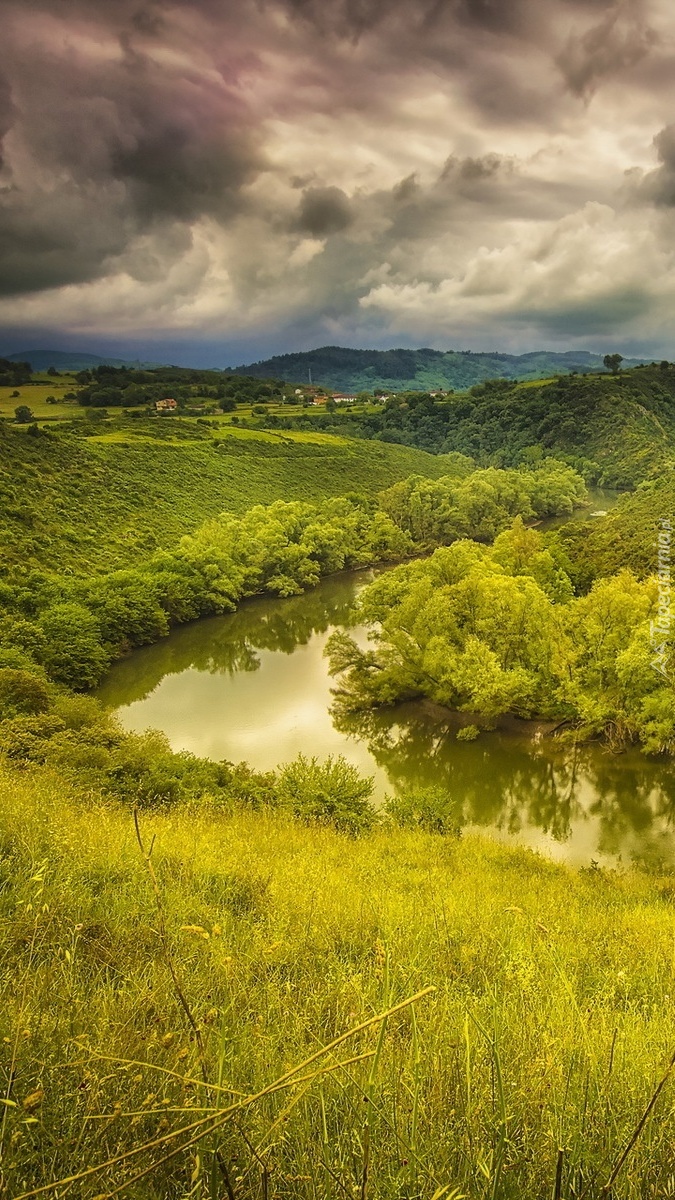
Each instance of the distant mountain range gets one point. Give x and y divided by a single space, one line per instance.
346 370
342 369
64 360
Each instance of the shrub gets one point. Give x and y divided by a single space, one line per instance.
328 793
431 809
73 653
468 733
21 693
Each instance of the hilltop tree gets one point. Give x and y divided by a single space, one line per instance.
613 362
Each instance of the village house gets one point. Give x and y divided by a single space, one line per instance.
339 398
167 405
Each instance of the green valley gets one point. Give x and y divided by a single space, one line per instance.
247 978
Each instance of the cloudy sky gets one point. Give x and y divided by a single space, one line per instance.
218 180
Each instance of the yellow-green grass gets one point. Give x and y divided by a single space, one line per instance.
306 436
64 377
128 436
535 383
550 1025
34 396
75 504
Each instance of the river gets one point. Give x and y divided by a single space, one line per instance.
254 686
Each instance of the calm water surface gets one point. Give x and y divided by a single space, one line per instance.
254 686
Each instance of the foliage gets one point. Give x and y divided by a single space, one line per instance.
14 374
431 809
613 362
22 692
73 652
328 793
626 537
498 630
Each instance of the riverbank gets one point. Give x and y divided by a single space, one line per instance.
550 1024
255 686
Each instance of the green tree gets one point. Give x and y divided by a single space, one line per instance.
23 415
613 362
73 653
22 693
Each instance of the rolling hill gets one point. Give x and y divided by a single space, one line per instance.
400 370
75 360
102 503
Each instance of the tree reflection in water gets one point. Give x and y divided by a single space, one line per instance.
229 645
511 780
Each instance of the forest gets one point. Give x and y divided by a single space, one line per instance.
418 370
617 429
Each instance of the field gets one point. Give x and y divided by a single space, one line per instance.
539 1049
111 499
34 396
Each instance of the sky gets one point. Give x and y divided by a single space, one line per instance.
218 181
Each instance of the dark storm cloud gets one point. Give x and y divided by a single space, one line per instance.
148 135
353 18
108 146
7 112
324 211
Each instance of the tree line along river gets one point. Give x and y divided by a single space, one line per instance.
254 686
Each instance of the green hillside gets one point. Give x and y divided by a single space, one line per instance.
398 370
619 428
104 502
626 537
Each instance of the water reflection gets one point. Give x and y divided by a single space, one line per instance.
255 686
513 781
231 645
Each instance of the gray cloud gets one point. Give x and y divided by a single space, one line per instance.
324 211
7 112
658 187
154 153
107 146
618 42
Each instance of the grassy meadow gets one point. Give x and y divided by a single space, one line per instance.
35 393
111 499
145 1008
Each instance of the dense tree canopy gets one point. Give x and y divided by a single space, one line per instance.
498 630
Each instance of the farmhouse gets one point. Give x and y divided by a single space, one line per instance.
167 405
339 398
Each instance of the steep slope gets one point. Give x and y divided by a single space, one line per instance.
626 537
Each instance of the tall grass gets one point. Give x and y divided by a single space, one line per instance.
528 1071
